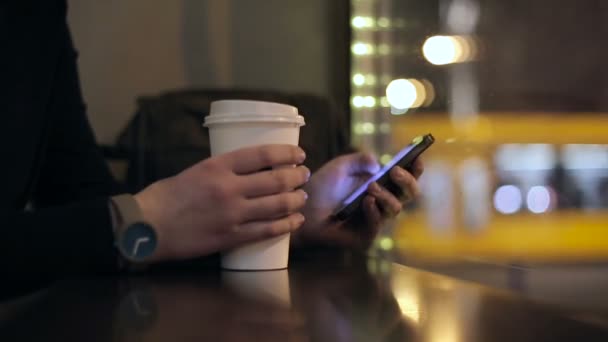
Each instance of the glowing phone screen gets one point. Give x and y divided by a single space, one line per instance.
379 174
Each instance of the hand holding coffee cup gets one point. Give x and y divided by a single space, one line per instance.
235 124
223 202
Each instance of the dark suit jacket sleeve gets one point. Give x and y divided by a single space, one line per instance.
73 167
69 230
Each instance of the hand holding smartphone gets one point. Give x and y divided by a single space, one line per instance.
405 159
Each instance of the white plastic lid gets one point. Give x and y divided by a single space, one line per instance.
231 111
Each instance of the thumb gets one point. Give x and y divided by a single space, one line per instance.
361 162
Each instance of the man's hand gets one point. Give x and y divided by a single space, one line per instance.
226 201
336 180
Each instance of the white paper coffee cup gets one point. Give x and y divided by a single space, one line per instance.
235 124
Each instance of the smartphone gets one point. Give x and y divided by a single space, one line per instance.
405 159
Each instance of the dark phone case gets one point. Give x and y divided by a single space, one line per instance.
385 181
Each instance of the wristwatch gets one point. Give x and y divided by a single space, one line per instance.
136 240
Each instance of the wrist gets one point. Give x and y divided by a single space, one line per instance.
150 212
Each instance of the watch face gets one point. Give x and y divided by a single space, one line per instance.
138 241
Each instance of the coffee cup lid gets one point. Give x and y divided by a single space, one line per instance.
230 111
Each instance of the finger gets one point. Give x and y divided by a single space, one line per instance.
373 217
406 182
274 206
259 230
252 159
417 168
387 202
372 213
274 181
359 163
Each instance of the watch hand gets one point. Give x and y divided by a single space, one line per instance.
139 308
138 242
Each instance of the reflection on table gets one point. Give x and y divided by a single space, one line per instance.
320 298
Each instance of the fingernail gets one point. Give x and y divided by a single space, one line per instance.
305 194
307 174
301 156
301 218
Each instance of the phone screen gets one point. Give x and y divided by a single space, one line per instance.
378 174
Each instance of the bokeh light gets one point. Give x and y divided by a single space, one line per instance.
508 199
429 91
362 49
442 50
386 243
358 79
384 49
368 128
369 101
420 93
384 128
360 22
538 199
358 101
401 94
364 128
385 159
370 79
384 102
384 22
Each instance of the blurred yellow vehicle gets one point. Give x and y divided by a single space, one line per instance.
508 186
